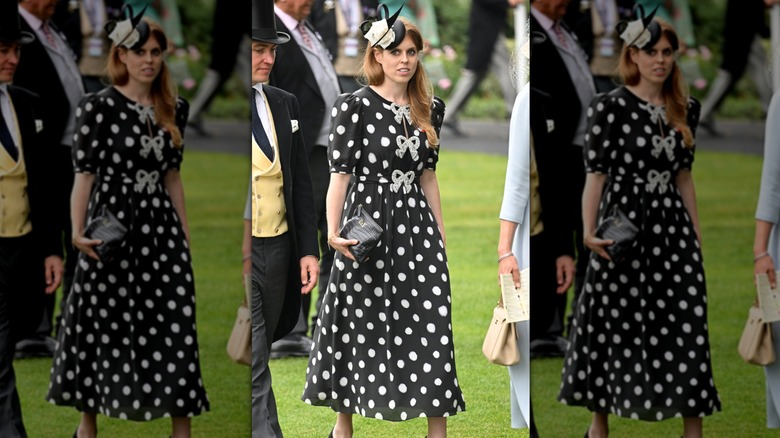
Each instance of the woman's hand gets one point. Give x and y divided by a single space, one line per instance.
509 265
86 245
765 265
598 245
342 245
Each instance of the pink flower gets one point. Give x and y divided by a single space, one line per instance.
700 83
445 83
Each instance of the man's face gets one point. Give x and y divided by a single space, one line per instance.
553 9
9 59
263 57
298 9
41 9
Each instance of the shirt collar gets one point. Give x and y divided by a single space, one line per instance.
546 22
286 18
31 19
4 88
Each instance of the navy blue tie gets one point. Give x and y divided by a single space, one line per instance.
259 132
5 136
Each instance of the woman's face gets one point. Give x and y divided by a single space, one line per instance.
143 64
400 63
655 64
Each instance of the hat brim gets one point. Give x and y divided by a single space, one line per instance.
23 38
270 36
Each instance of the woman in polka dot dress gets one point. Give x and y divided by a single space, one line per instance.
639 343
383 343
128 346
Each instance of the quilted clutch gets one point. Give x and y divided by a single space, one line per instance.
106 227
363 228
616 226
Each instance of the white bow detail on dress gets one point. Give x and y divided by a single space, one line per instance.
149 143
658 179
663 144
411 143
655 111
148 179
400 178
400 112
144 112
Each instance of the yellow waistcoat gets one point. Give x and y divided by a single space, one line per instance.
269 214
14 203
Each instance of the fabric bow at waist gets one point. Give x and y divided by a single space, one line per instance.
655 180
142 180
397 180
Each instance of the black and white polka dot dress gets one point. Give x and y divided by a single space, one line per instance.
383 345
639 342
128 346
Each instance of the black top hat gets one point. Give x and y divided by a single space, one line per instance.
9 24
264 23
132 32
387 32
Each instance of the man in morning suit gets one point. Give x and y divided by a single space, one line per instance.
304 69
564 76
283 233
48 68
30 254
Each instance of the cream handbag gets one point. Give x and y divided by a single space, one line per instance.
756 345
500 345
239 346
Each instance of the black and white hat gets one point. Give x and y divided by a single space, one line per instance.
387 32
132 32
642 32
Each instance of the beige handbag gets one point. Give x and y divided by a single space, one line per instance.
755 345
500 346
239 346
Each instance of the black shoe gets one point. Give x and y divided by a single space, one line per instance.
37 346
454 127
548 347
292 345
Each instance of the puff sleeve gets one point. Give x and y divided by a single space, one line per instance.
694 109
182 112
598 136
346 134
88 140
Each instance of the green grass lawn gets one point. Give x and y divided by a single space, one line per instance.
727 189
471 186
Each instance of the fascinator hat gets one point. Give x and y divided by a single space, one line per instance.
132 32
387 32
642 32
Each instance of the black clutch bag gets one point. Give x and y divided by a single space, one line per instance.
365 230
616 226
106 227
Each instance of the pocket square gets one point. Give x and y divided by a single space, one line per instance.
294 125
550 125
38 125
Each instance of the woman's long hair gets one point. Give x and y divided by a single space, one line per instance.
164 93
675 89
419 88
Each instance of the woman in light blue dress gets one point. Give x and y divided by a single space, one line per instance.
515 234
766 247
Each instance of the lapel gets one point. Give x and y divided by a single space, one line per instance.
25 119
298 58
281 120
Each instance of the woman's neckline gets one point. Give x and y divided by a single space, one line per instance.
127 98
382 98
628 90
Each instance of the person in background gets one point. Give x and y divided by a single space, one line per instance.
337 22
766 247
282 232
303 68
487 51
30 247
48 69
